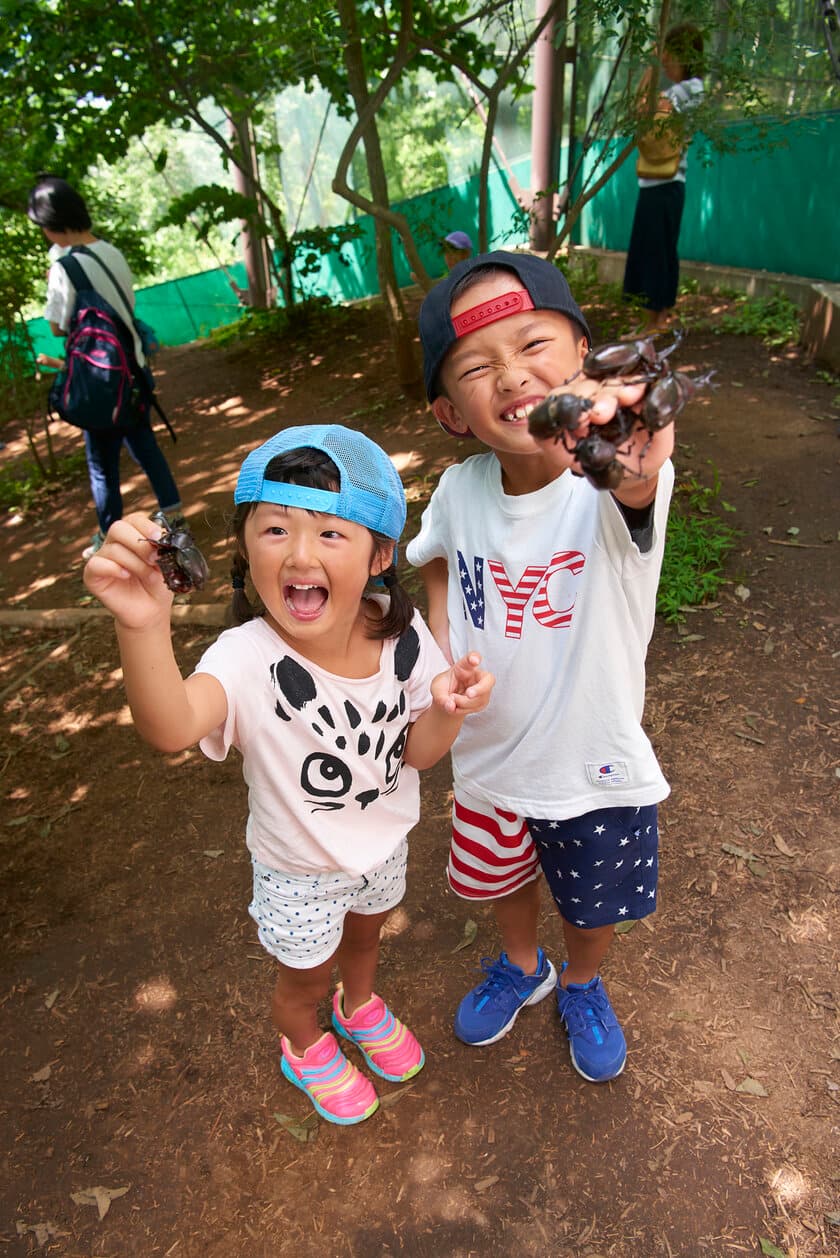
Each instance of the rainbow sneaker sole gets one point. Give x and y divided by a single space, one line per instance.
386 1044
337 1090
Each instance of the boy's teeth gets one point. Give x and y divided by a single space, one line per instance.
521 412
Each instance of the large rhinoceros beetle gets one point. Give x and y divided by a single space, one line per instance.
182 564
633 362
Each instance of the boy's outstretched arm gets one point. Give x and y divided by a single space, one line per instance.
642 453
435 576
462 689
170 712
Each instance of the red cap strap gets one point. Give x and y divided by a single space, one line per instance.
489 311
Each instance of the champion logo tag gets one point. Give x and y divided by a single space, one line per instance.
613 773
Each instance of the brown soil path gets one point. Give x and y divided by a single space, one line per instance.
136 1051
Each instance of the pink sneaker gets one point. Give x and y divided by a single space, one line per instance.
333 1084
387 1046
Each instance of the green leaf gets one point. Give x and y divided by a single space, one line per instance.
304 1130
772 1251
470 934
392 1098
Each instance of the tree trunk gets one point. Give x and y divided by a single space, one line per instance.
401 328
254 251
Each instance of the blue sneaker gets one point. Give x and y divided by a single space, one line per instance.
596 1040
490 1010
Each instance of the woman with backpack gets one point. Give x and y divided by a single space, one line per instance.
62 215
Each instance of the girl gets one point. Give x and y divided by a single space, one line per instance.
61 213
334 698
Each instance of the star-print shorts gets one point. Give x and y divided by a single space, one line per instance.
300 918
601 868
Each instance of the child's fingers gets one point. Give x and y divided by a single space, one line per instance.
610 395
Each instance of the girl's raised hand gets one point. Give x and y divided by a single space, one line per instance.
125 577
463 688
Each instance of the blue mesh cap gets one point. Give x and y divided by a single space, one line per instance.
370 491
544 283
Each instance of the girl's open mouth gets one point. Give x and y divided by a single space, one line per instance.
305 602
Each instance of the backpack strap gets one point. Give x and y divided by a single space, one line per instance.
162 413
80 280
75 273
120 291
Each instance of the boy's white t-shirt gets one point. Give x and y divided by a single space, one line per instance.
322 755
553 592
61 294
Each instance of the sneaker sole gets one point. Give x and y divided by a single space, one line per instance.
589 1078
330 1118
372 1064
545 989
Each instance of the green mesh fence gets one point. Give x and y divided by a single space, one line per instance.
767 209
770 209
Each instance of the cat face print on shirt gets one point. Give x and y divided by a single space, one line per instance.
328 773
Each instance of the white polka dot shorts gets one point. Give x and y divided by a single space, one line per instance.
300 918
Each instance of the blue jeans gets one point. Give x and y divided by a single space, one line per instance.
103 459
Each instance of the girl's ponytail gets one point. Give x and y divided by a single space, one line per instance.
241 609
400 612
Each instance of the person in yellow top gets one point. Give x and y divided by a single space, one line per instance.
651 274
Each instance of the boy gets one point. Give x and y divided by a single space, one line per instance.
457 247
554 582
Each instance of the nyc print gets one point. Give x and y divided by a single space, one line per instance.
327 775
533 592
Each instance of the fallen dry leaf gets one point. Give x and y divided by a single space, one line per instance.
99 1197
782 846
751 1087
470 934
391 1098
41 1231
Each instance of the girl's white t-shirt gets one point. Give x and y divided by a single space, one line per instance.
321 754
558 599
61 294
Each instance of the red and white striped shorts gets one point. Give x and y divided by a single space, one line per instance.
491 853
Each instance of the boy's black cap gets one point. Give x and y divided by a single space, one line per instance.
545 284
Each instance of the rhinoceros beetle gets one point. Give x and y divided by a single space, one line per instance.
182 564
625 358
664 401
560 412
631 362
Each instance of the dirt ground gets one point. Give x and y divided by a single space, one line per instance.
143 1112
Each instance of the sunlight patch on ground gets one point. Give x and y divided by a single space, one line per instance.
405 460
807 925
789 1186
43 583
155 995
231 405
396 924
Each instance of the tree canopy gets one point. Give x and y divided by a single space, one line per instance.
81 82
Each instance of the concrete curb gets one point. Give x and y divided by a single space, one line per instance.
818 301
212 614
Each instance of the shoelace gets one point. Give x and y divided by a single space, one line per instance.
582 1009
499 978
